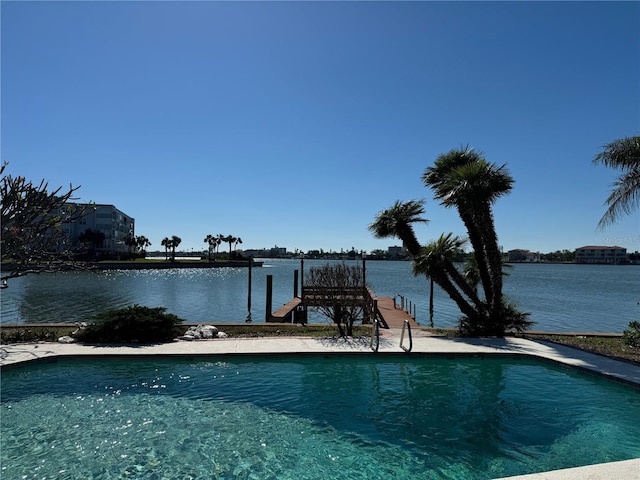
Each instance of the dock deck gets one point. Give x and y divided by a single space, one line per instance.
390 315
393 316
285 313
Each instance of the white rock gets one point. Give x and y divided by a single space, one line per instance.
66 339
222 335
187 337
208 331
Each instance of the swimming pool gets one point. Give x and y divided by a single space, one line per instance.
357 417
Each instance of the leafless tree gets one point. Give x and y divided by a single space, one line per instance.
32 240
337 290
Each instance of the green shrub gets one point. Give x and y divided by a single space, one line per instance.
631 336
134 324
32 334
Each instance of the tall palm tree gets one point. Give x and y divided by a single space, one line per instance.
237 241
397 221
623 154
166 243
229 239
463 179
211 241
175 241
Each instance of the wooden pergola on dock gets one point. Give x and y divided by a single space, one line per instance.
384 309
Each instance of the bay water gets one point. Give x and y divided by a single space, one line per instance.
559 297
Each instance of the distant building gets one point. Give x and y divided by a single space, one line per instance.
107 219
519 255
600 254
396 251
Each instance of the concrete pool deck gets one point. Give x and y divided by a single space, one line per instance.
422 343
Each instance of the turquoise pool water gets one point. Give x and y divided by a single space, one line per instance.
333 417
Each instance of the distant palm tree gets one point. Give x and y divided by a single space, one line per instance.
142 243
397 221
131 242
93 238
212 242
175 241
229 239
219 241
166 243
623 154
238 240
462 178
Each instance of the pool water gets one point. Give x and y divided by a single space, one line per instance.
334 417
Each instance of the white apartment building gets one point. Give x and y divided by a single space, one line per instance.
600 254
107 219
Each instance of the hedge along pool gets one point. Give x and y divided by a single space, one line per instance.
310 417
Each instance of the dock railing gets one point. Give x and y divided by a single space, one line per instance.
405 304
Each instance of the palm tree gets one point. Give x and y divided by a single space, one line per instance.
229 239
175 241
131 242
212 242
463 179
219 241
142 243
437 261
166 243
397 221
94 239
623 154
238 240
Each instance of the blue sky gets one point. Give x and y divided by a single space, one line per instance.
294 123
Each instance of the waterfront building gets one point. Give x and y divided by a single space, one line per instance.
601 254
108 220
519 255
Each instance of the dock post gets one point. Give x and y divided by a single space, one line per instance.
304 306
269 297
249 287
295 283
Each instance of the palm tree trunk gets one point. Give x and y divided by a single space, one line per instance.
469 218
462 284
494 261
408 237
455 295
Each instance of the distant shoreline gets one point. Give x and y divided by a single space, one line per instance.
147 265
163 265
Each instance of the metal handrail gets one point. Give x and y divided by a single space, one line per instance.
406 326
375 334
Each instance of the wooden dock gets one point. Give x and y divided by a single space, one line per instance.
394 316
388 313
285 313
